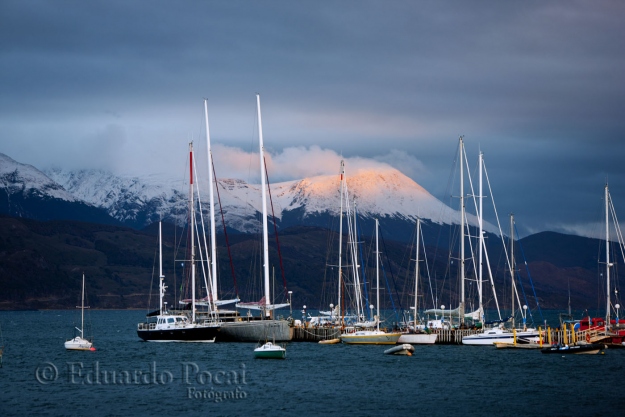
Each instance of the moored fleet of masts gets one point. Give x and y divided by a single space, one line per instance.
353 312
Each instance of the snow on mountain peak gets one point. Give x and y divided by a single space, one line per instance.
139 201
375 192
16 177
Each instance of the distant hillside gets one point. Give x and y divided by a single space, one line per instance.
41 264
566 263
564 251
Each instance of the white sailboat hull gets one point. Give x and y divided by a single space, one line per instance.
370 337
78 343
489 338
418 338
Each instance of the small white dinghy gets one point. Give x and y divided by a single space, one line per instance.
270 351
403 349
330 341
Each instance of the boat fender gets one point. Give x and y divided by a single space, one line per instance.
588 337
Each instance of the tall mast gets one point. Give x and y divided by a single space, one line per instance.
461 307
160 266
416 274
82 309
360 307
264 202
607 257
192 227
512 284
212 209
341 234
377 273
481 236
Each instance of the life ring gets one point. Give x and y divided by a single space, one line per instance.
588 337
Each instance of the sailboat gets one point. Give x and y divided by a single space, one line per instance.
79 342
416 335
269 350
216 302
163 326
605 329
254 328
497 334
459 311
376 336
340 315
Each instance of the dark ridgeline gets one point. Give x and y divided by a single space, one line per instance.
41 264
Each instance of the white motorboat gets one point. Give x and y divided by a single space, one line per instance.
270 350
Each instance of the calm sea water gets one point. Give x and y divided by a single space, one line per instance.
126 376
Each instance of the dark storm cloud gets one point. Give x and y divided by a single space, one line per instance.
537 86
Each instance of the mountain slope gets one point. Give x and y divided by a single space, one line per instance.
27 192
133 201
41 264
386 194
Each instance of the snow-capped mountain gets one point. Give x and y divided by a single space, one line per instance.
134 201
378 193
17 178
27 192
385 193
140 201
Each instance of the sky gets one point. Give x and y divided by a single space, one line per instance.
537 86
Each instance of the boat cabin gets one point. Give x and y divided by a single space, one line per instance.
169 322
596 323
164 322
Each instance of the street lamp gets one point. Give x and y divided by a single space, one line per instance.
304 314
524 316
290 303
617 307
443 308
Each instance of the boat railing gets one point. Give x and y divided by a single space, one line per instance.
147 326
208 322
591 335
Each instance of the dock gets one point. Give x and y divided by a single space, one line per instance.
316 334
551 336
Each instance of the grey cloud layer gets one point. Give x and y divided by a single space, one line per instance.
536 85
